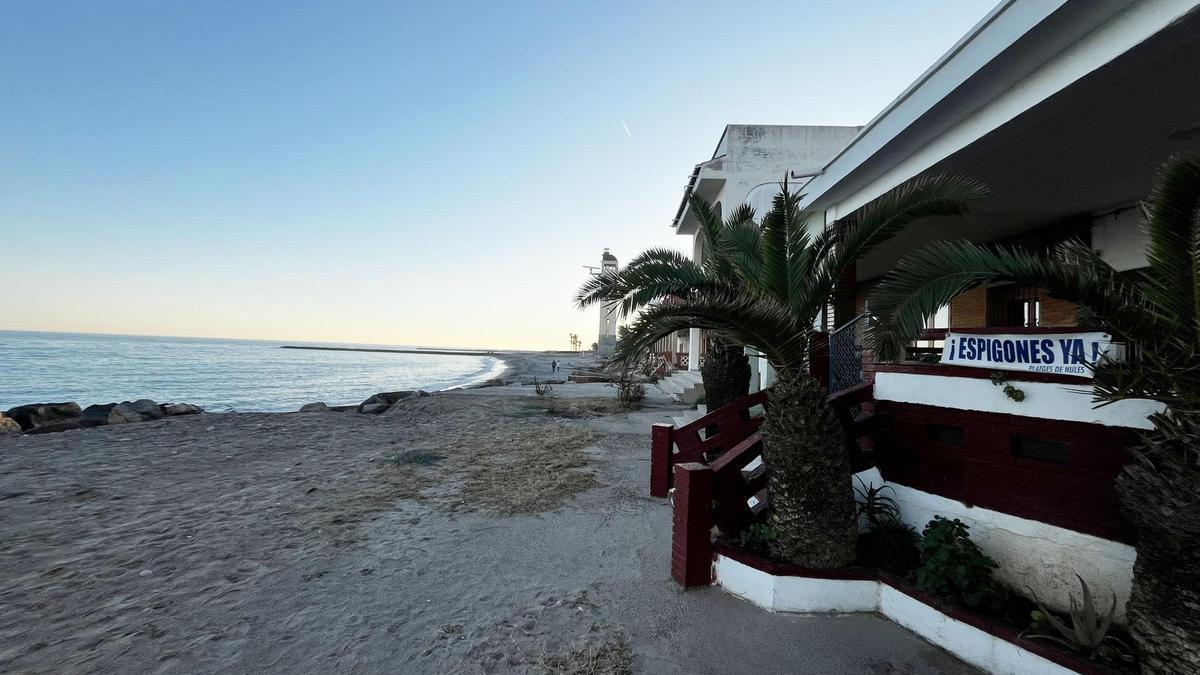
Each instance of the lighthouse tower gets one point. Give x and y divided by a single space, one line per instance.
608 313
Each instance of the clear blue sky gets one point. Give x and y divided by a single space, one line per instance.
391 173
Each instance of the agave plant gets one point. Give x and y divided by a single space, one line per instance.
764 285
1156 310
1088 632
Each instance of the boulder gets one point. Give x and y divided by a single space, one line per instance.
373 408
99 411
8 426
40 414
314 407
173 409
385 399
141 410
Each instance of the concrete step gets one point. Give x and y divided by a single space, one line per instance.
670 386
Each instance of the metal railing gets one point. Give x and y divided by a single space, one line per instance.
846 354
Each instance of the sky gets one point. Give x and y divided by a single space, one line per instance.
381 172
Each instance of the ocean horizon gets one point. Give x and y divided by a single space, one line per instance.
219 374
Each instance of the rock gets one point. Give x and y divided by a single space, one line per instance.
343 408
173 409
314 407
422 393
141 410
373 408
99 411
8 426
68 425
41 414
385 399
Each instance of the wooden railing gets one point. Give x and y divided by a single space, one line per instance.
718 463
702 440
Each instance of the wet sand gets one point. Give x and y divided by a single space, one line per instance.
470 531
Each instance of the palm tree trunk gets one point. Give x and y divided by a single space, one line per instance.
1161 497
726 373
808 476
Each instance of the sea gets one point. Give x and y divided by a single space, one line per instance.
216 374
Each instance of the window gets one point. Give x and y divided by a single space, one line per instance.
1032 447
944 433
1013 306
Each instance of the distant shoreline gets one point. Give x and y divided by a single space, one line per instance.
438 352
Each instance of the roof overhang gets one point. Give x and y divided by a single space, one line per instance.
706 181
1022 53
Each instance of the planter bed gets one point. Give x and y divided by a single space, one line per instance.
978 640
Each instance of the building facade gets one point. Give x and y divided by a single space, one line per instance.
747 167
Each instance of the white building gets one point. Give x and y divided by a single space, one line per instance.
748 166
1064 108
607 342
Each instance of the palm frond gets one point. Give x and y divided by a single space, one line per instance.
742 244
776 226
765 324
1174 241
891 213
654 274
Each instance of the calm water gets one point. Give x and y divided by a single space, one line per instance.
220 375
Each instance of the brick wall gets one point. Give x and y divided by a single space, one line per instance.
969 310
691 530
1057 312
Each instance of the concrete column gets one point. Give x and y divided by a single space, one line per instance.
693 349
768 373
752 356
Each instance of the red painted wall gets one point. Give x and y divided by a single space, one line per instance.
1078 493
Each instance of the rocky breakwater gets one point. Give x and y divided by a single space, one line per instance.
374 405
44 418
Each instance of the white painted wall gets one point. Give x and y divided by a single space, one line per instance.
804 594
1031 554
1120 239
1042 399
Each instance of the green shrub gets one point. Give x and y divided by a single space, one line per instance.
953 567
758 537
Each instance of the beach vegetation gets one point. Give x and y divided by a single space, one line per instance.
764 284
629 392
1155 311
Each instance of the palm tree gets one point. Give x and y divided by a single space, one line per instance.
764 285
1157 310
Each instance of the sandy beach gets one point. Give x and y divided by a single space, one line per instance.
470 531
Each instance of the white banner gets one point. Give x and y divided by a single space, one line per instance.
1056 353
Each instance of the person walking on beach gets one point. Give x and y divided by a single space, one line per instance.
554 366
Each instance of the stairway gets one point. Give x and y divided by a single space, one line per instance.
685 386
688 416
